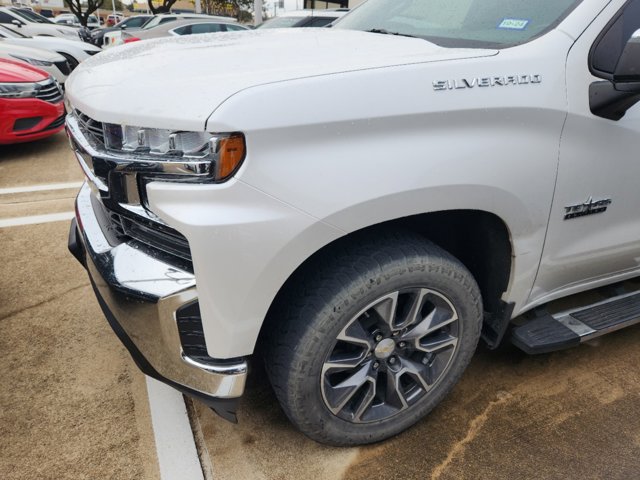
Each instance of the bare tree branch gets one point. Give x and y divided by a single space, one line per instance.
76 8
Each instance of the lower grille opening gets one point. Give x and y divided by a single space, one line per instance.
23 124
192 335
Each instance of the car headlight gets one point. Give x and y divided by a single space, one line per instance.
18 90
33 61
68 32
221 153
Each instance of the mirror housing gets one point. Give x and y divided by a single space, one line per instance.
612 99
17 23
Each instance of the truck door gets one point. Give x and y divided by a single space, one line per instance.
594 226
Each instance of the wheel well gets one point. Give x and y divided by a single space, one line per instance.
480 240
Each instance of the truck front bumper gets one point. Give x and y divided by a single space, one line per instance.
140 295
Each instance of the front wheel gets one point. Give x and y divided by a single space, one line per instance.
372 338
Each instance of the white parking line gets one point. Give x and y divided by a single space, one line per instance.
36 219
40 188
175 444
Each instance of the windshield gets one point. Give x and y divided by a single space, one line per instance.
281 22
6 32
133 22
30 16
155 21
461 23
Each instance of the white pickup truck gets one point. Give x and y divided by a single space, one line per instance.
362 203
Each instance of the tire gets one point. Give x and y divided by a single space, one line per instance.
347 362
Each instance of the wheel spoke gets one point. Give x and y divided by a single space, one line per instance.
437 344
386 309
437 319
339 395
394 394
355 333
417 371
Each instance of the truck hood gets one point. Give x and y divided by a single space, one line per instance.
176 83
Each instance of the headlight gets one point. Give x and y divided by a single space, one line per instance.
18 90
33 61
224 152
68 33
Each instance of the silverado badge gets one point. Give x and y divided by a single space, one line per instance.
590 207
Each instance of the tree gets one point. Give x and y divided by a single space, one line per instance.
230 8
164 8
76 8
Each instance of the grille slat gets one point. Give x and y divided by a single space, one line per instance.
49 92
91 127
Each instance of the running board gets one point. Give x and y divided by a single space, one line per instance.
548 333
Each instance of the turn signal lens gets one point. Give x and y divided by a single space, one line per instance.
231 153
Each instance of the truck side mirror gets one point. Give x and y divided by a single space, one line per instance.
612 99
628 68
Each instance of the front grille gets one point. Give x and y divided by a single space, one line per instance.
91 127
123 221
154 235
64 67
49 92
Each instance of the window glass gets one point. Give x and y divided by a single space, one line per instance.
204 28
610 46
281 22
6 18
30 16
186 30
461 23
320 22
134 22
234 28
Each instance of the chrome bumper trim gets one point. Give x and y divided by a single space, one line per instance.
143 294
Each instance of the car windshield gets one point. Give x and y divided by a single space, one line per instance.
155 21
30 16
133 22
461 23
281 22
6 32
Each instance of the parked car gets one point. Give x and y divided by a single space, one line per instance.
114 19
363 203
52 63
130 24
74 52
305 18
72 20
31 103
181 28
114 38
32 24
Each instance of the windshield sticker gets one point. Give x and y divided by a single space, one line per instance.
514 24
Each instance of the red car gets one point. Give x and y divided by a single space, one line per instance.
31 103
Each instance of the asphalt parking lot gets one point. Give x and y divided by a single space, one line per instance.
73 405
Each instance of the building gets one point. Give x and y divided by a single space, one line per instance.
332 3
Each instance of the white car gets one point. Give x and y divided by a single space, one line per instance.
32 24
74 52
52 63
114 38
72 20
305 18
